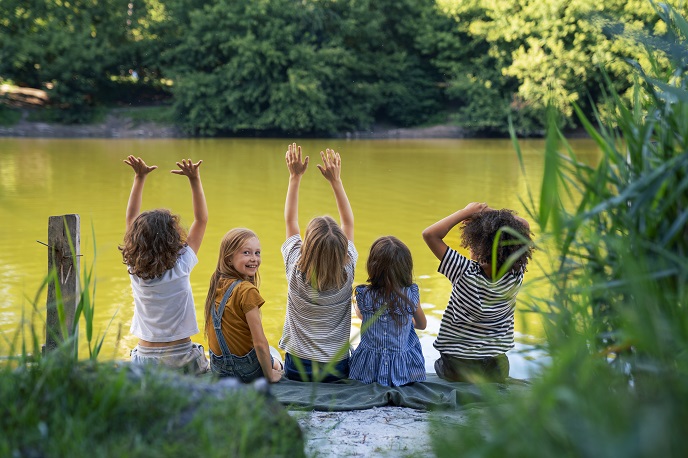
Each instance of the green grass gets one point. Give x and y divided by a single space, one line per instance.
58 407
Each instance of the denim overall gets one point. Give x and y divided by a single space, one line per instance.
245 368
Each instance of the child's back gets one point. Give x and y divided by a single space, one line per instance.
160 257
389 352
318 323
477 328
320 272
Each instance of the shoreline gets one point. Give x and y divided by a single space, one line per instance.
117 125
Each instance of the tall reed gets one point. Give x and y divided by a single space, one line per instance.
616 321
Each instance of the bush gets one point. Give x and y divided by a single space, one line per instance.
58 407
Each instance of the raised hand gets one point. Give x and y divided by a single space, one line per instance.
139 165
476 207
331 166
293 158
188 168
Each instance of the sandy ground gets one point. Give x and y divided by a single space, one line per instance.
377 432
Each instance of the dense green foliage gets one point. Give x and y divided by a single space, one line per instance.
56 407
299 67
326 66
616 322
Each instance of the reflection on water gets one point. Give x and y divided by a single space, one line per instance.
396 187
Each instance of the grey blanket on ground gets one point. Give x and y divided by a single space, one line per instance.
433 394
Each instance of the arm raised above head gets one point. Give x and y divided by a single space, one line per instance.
141 170
434 235
331 169
200 208
291 205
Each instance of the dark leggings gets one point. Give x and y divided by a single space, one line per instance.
314 368
490 369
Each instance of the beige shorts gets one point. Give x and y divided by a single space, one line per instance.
187 357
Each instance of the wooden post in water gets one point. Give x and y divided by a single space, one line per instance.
67 268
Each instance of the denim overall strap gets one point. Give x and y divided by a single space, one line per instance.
217 319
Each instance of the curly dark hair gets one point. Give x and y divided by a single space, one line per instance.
152 243
480 231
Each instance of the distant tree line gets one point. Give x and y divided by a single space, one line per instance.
326 66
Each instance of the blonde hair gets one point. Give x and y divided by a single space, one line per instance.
324 254
225 271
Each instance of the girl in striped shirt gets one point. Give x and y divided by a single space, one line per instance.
477 328
389 305
320 273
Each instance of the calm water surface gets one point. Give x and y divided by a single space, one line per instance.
396 187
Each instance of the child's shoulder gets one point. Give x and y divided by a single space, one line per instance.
292 245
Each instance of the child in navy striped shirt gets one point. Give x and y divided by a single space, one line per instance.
477 328
389 305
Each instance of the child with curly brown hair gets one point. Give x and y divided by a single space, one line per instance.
160 256
477 328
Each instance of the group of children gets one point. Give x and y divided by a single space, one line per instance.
475 332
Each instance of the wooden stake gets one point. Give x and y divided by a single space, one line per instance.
67 267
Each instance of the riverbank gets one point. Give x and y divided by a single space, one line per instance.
119 124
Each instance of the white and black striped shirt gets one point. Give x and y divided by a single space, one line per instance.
318 323
479 319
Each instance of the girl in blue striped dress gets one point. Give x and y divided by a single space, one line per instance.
389 305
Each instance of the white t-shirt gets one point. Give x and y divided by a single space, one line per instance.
164 306
318 323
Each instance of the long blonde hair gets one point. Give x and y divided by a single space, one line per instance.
324 254
225 271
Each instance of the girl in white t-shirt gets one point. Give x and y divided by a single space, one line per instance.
160 256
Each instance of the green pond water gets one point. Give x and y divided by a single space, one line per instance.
396 187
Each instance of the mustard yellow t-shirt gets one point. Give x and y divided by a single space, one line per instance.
235 330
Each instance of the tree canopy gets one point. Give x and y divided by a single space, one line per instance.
326 66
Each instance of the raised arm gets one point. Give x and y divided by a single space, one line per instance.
331 169
434 235
200 209
141 170
296 170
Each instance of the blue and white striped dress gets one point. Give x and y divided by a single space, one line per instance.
388 354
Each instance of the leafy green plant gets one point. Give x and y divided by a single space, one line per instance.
616 317
8 116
